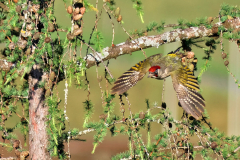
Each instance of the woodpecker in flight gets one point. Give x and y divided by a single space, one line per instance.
160 67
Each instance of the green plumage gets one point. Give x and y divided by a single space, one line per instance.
184 82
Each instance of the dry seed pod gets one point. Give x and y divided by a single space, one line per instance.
36 36
224 55
75 26
21 18
146 33
50 27
209 19
28 51
50 62
3 117
77 32
82 10
190 55
70 36
103 116
119 19
214 29
29 20
47 93
33 49
214 145
11 46
77 17
70 9
180 144
24 154
18 9
52 76
16 144
35 8
29 27
23 119
226 63
117 12
26 34
47 40
50 83
16 29
22 43
142 115
77 10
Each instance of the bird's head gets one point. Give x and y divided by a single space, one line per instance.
154 72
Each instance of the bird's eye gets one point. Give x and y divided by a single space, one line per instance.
156 73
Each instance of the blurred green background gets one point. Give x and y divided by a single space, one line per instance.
218 89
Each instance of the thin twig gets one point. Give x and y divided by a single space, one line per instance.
99 58
111 22
130 36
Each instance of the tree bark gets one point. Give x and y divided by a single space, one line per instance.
38 138
156 40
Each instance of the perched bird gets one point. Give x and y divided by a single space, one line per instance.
160 67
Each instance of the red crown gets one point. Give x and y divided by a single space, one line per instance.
154 68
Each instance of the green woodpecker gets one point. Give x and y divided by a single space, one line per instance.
160 67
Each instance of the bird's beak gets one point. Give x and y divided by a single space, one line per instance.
150 75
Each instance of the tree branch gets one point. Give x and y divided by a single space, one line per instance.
155 41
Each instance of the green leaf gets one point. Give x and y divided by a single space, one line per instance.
224 18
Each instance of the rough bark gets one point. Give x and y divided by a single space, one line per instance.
38 138
155 41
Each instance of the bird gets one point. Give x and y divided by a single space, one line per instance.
160 67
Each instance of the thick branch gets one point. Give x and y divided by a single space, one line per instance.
155 41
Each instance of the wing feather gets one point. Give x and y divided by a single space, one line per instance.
186 87
131 77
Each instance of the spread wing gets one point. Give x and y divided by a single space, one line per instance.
186 87
131 77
